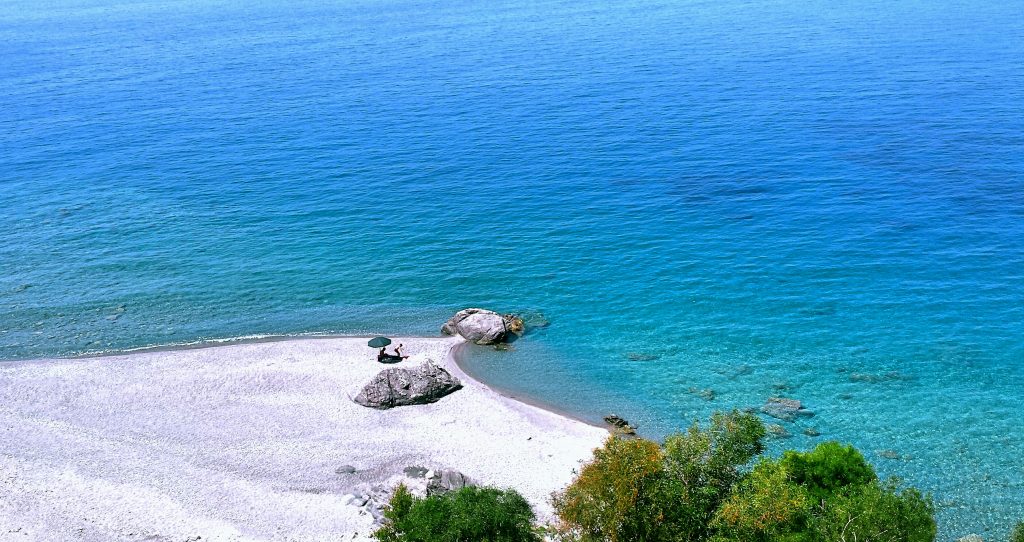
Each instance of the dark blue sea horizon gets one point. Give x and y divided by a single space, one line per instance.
820 200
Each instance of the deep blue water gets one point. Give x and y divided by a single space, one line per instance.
822 197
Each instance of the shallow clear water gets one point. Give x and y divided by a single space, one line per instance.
725 195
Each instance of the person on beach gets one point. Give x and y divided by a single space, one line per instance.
384 357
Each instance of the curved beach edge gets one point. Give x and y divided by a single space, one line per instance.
254 440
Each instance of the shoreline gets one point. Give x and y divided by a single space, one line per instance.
203 343
457 356
460 363
244 441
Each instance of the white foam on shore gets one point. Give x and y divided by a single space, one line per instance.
241 442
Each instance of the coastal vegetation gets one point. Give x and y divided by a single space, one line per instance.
705 484
699 486
635 489
471 513
1018 533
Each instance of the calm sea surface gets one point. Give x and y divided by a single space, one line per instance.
823 200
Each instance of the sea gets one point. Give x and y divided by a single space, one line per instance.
695 204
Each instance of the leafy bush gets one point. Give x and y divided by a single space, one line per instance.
469 514
828 468
634 490
609 499
703 465
878 512
696 488
830 494
1018 533
766 506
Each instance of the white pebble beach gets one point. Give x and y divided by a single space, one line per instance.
250 441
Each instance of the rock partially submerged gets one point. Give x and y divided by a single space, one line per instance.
776 431
889 454
482 326
620 424
408 386
641 356
785 409
891 376
707 394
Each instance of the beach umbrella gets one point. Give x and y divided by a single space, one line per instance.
379 342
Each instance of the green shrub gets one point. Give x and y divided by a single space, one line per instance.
828 468
769 506
1018 533
635 491
765 506
610 499
469 514
696 487
878 511
703 465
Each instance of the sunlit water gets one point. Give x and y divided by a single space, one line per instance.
813 199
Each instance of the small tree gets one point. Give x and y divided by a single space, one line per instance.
766 506
635 491
703 465
878 511
471 513
610 500
828 468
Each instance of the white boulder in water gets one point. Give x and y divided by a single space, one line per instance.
482 326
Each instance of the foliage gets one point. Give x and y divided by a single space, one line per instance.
765 507
696 487
828 468
635 491
469 514
1018 533
608 500
876 512
703 465
830 494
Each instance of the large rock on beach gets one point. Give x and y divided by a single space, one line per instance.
447 480
408 386
482 326
785 409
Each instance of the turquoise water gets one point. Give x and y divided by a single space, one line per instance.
817 199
